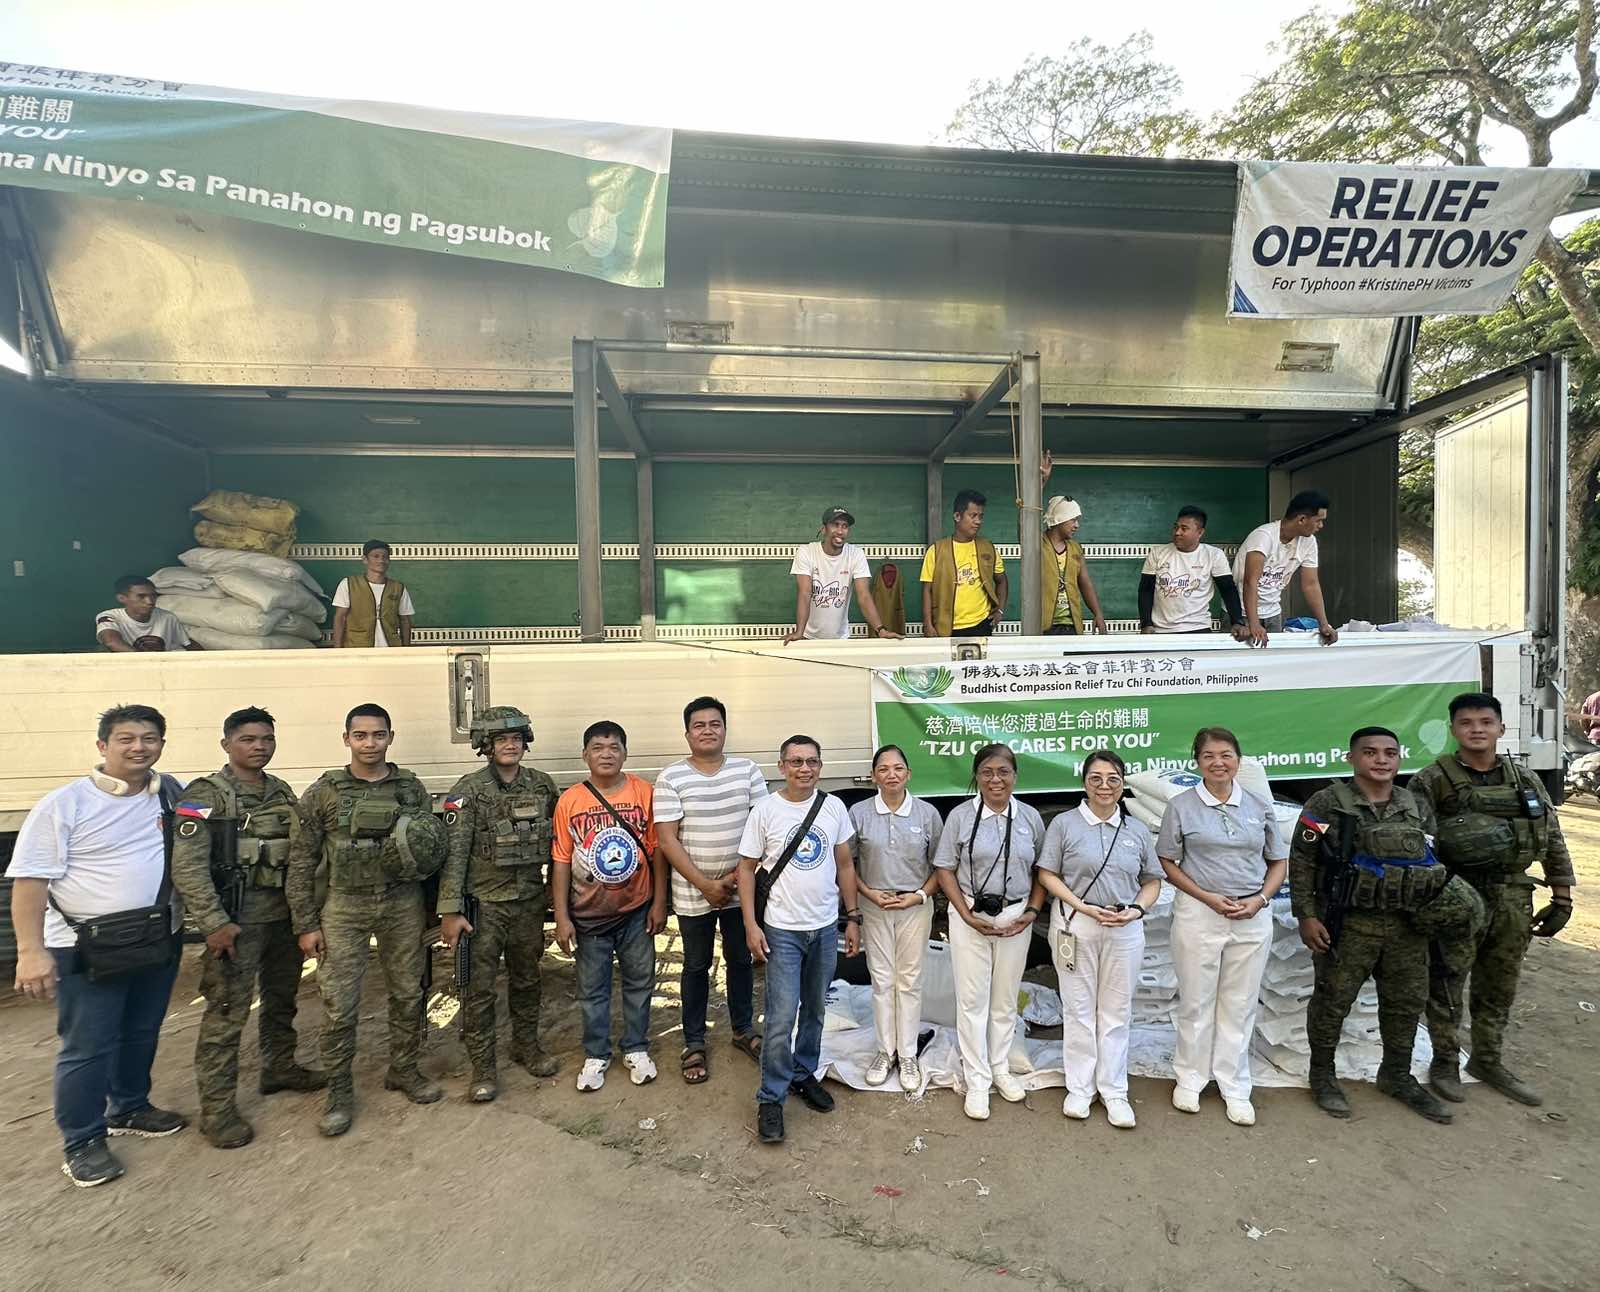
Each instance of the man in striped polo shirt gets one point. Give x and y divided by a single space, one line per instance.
701 803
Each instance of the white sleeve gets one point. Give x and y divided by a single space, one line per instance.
108 619
41 847
846 826
753 842
1219 563
1308 552
341 595
406 608
666 805
1150 566
859 569
180 635
802 562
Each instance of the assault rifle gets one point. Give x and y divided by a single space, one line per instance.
469 912
227 875
1337 879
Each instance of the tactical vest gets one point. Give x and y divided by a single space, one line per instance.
361 853
1056 575
942 591
1394 871
1490 831
365 612
260 841
513 826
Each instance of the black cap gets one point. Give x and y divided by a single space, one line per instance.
837 513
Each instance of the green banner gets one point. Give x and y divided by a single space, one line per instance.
1292 707
586 198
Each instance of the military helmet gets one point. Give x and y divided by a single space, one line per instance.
497 719
417 847
1456 911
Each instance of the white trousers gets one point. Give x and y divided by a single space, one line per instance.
988 972
1219 963
895 942
1097 1004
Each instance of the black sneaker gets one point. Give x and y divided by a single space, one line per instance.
148 1122
769 1124
810 1090
93 1163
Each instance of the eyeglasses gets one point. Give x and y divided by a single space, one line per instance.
803 762
1103 782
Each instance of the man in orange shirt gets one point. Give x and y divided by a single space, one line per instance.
609 890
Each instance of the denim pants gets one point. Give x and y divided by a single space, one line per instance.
108 1032
699 934
799 968
634 949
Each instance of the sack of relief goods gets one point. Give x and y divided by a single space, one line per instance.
225 615
299 626
227 507
211 639
271 594
214 560
242 538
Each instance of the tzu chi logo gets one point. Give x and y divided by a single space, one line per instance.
615 856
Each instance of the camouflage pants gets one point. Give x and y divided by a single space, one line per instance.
265 951
516 930
349 921
1373 944
1491 967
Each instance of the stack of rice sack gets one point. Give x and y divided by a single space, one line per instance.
246 522
233 600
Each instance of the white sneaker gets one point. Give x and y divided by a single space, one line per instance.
1011 1090
977 1105
878 1069
1119 1112
593 1074
1185 1101
1076 1107
1241 1112
641 1067
910 1076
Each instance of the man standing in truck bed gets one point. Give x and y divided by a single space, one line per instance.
963 578
371 609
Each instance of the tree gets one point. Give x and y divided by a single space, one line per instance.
1092 99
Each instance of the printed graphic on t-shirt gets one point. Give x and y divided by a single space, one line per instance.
1169 584
811 851
602 851
966 576
833 595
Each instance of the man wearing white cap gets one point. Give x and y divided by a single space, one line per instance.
1067 587
824 573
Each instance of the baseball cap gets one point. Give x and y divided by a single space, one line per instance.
837 513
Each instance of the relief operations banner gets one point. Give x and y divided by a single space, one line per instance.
587 198
1291 709
1333 241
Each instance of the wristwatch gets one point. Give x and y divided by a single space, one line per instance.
1031 910
1134 906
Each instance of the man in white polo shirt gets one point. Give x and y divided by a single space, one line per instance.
94 847
1179 578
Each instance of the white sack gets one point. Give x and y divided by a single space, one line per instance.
225 615
270 593
211 639
179 578
213 560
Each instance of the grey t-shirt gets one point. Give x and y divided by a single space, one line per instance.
982 869
1076 844
1224 848
894 850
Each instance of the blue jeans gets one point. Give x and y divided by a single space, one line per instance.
799 968
699 934
108 1034
635 950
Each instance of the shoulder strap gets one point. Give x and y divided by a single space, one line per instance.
794 839
615 816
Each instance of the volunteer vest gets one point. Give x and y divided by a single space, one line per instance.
1487 831
360 850
1052 572
365 612
942 591
890 601
1395 872
262 832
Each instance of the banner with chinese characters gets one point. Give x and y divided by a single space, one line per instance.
1293 709
587 198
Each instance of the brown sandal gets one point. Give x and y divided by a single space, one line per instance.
695 1069
748 1043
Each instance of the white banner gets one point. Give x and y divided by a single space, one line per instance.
1312 240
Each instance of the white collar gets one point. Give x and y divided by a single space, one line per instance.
121 789
1211 800
985 811
883 808
1088 815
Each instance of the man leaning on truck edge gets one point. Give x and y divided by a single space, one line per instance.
93 847
371 609
1178 580
824 572
963 578
1267 560
137 623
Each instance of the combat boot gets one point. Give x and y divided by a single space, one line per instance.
1445 1078
1396 1081
1493 1074
536 1061
341 1109
413 1085
227 1129
1324 1084
485 1086
292 1076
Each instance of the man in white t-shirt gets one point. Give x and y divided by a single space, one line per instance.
1179 578
376 612
97 846
138 624
798 939
1268 559
824 573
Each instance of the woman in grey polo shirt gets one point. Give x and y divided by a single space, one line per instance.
1100 866
896 835
1220 848
985 865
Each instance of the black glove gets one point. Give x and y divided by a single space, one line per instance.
1552 919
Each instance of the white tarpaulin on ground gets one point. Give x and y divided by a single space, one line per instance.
1315 240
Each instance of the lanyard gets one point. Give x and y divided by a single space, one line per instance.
1004 855
1105 861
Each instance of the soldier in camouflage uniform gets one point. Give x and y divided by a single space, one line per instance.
233 838
1495 821
1373 835
371 823
492 892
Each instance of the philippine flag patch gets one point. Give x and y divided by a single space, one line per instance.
202 811
1311 829
454 803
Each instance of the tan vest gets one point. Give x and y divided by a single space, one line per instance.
890 601
942 591
1051 573
365 612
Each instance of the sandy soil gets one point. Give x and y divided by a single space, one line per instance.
548 1186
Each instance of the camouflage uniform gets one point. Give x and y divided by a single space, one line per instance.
362 902
499 851
265 949
1494 958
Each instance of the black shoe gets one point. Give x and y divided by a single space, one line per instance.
93 1163
769 1124
228 1131
1445 1078
814 1096
148 1122
294 1077
1404 1087
1494 1075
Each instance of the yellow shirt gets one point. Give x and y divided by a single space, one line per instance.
1064 591
972 607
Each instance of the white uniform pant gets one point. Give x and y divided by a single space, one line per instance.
1219 963
1097 1004
895 943
988 972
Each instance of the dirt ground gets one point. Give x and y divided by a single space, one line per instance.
548 1186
